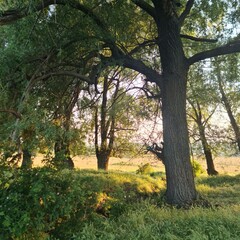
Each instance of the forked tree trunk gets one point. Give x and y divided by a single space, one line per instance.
107 124
198 118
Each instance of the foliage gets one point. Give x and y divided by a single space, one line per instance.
197 168
49 204
145 169
58 203
77 36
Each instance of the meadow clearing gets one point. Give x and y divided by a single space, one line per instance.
224 165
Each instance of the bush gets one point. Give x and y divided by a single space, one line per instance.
197 168
145 169
43 202
46 204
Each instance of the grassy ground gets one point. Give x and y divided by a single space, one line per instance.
224 165
46 204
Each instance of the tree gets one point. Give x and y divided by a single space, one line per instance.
28 73
118 110
202 99
230 76
107 124
168 22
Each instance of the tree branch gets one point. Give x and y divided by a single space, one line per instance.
139 66
124 129
10 16
196 39
229 48
88 12
143 44
196 117
13 15
66 73
146 7
13 112
210 115
186 11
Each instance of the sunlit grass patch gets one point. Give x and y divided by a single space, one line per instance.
146 221
221 180
222 190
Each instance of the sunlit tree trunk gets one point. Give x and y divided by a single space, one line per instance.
207 151
62 143
180 179
198 118
28 135
105 130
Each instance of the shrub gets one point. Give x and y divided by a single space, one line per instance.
197 168
47 204
145 169
44 202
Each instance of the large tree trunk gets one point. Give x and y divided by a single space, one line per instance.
179 173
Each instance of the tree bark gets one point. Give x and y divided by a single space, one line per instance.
103 160
180 179
210 164
179 173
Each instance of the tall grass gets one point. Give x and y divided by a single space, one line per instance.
221 190
147 221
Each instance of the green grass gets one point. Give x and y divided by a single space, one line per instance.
147 221
46 204
222 190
